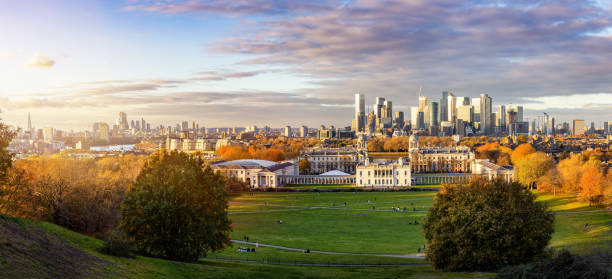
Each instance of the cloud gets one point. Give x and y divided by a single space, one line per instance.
40 61
217 76
235 7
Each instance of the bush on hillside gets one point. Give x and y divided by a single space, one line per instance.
561 266
485 225
117 245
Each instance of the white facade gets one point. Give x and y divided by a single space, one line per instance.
257 173
384 174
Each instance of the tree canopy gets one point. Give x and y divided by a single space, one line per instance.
485 225
177 209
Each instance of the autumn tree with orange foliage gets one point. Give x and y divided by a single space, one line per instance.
592 185
521 151
570 171
494 152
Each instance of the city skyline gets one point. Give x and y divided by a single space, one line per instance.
226 63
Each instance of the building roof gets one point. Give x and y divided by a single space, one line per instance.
247 163
335 172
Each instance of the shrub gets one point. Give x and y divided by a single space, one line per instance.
117 245
562 266
485 225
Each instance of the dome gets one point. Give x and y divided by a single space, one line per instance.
249 163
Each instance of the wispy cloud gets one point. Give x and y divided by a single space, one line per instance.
40 61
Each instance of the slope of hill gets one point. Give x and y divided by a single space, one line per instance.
32 249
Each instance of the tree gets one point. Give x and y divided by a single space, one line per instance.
176 209
529 170
521 152
550 182
570 171
485 225
304 166
608 191
592 186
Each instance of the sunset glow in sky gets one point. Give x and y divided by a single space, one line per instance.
275 62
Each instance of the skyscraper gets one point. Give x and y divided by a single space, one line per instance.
303 131
500 119
399 119
485 114
578 127
29 123
101 133
122 121
360 116
433 114
451 107
287 131
444 106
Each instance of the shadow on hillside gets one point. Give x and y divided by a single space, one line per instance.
28 252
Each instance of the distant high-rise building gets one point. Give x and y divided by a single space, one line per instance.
500 119
143 124
360 116
101 133
303 131
432 114
466 113
485 114
444 106
122 121
184 126
29 123
414 117
578 127
48 134
607 127
399 119
451 106
287 131
422 103
378 106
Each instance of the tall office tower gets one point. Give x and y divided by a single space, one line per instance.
137 125
399 119
132 124
519 113
101 133
360 116
420 120
148 127
287 132
122 121
303 131
143 124
29 123
184 126
451 107
466 113
578 127
385 119
500 119
606 127
592 129
422 103
48 134
444 106
414 114
463 101
371 123
546 125
432 114
485 114
551 127
378 106
610 127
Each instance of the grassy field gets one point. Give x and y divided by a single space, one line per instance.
366 224
104 266
365 227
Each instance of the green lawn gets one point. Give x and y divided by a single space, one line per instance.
355 228
145 267
358 228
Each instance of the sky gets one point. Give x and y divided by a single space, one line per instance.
225 63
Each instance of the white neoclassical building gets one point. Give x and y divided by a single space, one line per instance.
383 173
257 173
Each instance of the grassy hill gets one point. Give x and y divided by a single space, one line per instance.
31 249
